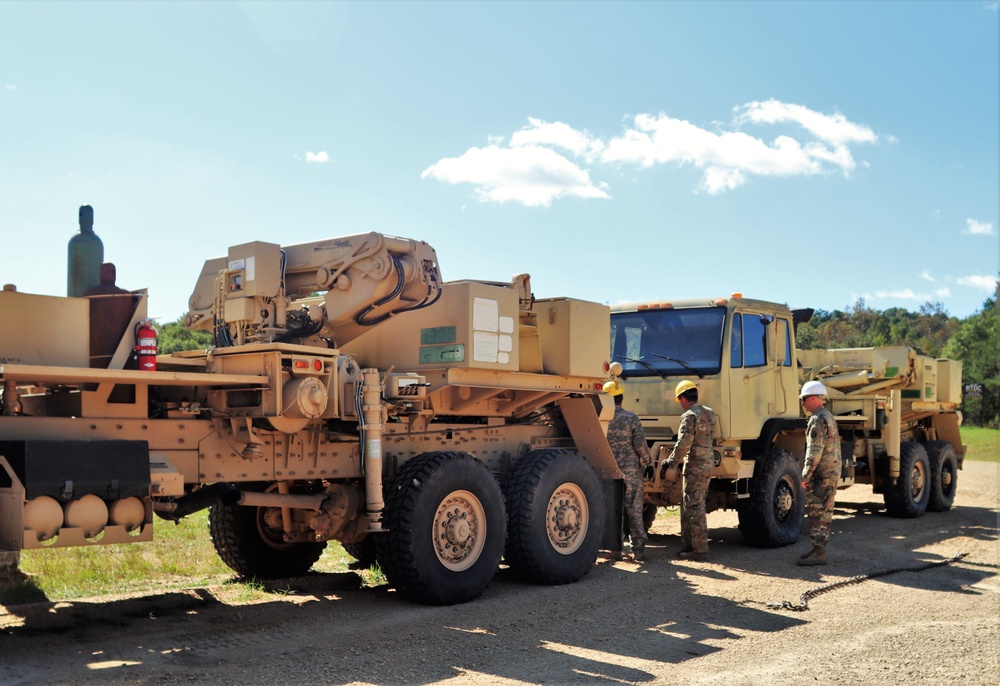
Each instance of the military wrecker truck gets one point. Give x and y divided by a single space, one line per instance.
350 395
897 411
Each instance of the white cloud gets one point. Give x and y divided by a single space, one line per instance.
904 294
926 276
943 292
832 128
531 171
531 175
558 135
319 157
978 228
10 87
982 283
727 158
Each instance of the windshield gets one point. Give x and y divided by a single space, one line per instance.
668 342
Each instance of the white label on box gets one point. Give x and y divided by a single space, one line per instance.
485 315
484 346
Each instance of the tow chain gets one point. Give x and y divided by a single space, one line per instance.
804 599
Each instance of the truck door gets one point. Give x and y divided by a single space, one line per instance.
752 382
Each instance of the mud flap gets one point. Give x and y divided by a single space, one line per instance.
614 512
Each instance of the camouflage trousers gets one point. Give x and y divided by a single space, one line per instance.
694 522
820 495
634 492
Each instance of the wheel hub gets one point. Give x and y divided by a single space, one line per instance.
459 530
567 518
784 501
917 480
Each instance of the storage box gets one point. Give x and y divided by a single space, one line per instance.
575 336
949 381
44 330
473 325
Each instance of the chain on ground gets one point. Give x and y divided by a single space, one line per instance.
804 599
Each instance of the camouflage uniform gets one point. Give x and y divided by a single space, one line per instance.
694 442
821 473
628 443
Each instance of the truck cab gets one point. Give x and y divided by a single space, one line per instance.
739 352
897 410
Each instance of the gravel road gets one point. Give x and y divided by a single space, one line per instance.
662 622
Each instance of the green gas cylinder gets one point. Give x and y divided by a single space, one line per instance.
85 255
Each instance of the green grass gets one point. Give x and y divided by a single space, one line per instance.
179 556
983 444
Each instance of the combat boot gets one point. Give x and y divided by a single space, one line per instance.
637 554
693 555
816 556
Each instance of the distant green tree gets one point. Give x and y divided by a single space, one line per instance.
977 344
864 327
175 336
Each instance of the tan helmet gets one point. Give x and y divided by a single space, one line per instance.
683 387
613 388
813 388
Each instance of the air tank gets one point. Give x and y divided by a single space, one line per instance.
85 255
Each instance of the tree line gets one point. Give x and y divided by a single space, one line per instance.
931 331
974 340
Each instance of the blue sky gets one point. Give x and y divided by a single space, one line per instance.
807 153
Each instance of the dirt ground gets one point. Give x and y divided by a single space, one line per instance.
662 622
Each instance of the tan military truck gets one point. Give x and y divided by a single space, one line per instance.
897 411
350 396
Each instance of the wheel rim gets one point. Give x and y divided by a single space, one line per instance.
459 530
947 478
918 481
271 530
270 525
567 518
784 500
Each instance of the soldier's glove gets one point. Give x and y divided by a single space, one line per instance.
647 473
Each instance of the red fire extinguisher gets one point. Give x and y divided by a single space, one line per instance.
145 347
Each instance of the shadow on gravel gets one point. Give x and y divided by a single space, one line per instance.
80 618
616 624
621 623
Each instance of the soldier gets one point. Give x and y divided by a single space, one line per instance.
821 470
694 443
628 443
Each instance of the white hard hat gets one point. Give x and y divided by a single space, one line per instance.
812 388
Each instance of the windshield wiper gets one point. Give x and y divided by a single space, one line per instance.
645 364
701 374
